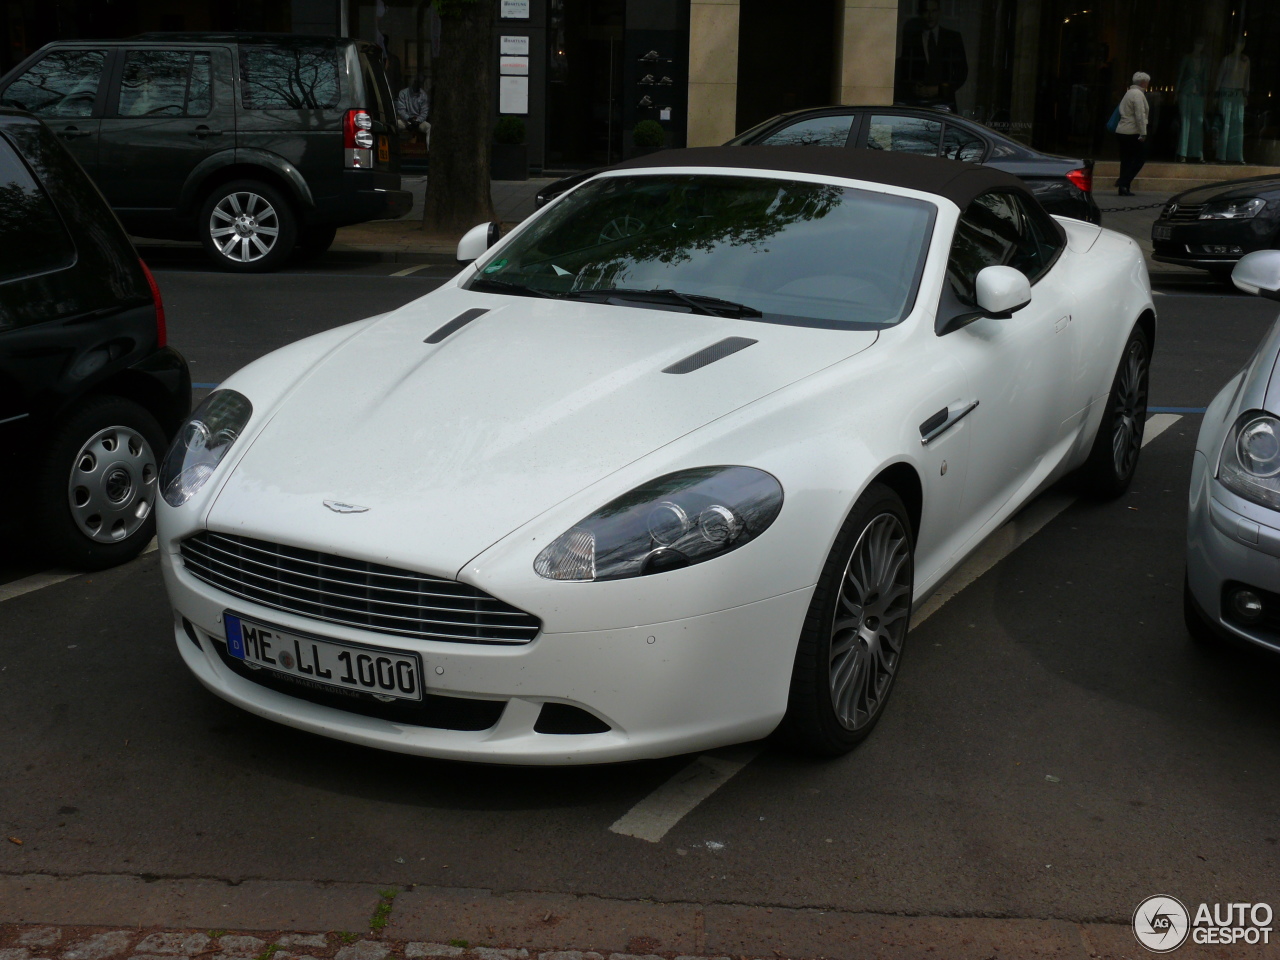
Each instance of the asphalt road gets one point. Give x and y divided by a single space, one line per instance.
1056 746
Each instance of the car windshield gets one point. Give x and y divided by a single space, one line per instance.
763 248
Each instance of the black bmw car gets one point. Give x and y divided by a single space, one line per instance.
1212 227
1062 185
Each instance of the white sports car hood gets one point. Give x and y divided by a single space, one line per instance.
452 446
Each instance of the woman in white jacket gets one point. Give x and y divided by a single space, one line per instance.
1132 132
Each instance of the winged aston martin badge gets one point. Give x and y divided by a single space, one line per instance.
337 506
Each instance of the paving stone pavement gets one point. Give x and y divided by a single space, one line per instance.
89 944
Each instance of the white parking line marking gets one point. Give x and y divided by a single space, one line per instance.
38 581
652 817
414 269
1025 525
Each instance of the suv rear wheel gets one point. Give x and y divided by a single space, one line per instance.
248 227
97 482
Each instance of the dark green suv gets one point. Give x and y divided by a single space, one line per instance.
255 144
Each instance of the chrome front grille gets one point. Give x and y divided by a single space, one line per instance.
352 592
1185 211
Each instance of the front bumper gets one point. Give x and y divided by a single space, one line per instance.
665 688
1229 541
1184 246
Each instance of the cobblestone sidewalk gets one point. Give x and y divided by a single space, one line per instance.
89 943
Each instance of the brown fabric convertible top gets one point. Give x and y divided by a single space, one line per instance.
957 181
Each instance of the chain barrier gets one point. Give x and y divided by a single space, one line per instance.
1145 206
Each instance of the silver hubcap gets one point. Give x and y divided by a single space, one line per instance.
244 226
870 621
112 488
1130 410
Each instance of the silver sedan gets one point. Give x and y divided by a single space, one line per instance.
1233 523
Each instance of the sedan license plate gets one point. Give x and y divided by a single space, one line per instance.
384 150
386 674
1161 233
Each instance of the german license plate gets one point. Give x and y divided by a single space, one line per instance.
386 674
384 151
1161 233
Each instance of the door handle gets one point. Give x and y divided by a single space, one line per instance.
944 420
202 131
70 133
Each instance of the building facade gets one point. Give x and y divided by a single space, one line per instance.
583 73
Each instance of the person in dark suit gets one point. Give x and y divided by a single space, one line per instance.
932 66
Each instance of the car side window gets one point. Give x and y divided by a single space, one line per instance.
64 83
814 132
33 239
959 144
904 134
289 77
165 83
992 232
1047 235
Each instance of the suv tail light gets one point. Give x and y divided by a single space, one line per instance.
1082 178
162 329
357 139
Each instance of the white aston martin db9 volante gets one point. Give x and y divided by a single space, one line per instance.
665 468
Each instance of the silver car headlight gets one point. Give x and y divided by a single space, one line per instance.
1250 461
1233 209
671 522
201 444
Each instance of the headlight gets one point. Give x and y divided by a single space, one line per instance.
674 521
201 444
1250 461
1232 209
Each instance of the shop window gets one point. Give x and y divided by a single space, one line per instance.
814 132
289 76
903 134
63 84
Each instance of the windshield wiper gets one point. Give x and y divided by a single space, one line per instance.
696 302
506 286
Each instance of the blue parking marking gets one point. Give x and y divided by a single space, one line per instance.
204 386
1176 409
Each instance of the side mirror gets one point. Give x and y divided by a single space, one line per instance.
1259 273
1001 291
477 240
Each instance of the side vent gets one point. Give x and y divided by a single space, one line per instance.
717 351
456 324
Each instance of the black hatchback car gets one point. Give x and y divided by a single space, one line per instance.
90 394
255 144
1214 226
1062 185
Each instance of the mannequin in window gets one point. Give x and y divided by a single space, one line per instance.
1233 90
1192 85
933 64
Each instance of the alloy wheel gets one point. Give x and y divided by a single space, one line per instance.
1129 410
244 226
870 621
112 487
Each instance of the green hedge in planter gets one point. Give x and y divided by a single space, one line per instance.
648 136
509 130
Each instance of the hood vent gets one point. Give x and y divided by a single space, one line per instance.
717 351
456 324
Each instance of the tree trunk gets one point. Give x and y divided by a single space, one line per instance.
458 176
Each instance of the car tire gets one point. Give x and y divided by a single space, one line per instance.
1113 459
97 484
314 241
247 226
851 644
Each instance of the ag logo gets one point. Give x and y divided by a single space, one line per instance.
1161 923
